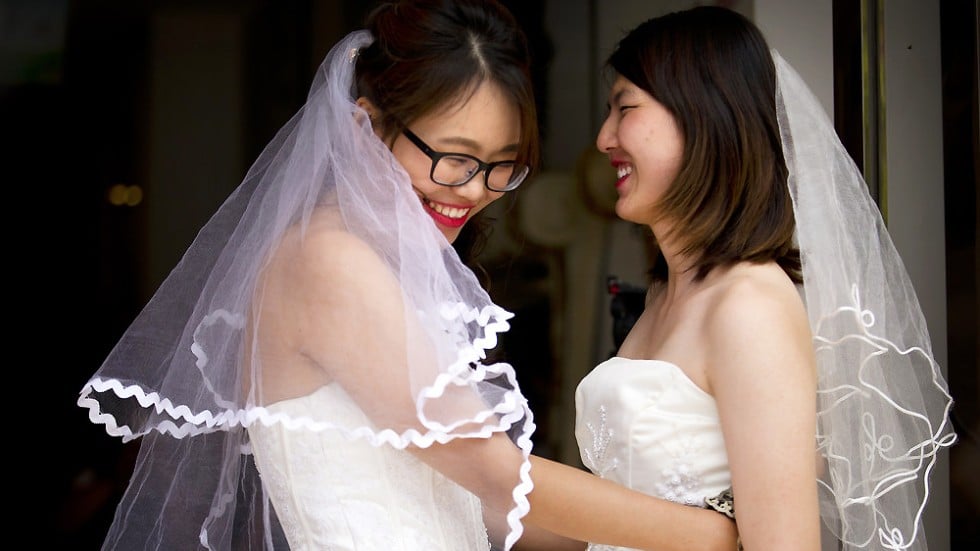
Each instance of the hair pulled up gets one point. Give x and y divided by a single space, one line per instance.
430 53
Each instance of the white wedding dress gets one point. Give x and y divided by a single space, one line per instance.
644 424
335 494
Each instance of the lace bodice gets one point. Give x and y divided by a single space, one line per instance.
646 425
331 493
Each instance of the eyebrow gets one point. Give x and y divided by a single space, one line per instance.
473 145
617 98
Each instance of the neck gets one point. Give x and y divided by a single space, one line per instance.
680 278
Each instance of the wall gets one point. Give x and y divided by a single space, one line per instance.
801 30
195 126
914 187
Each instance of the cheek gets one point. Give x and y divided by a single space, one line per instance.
673 158
417 166
673 150
661 152
639 138
418 173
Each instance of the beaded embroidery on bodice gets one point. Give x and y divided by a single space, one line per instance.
331 493
644 424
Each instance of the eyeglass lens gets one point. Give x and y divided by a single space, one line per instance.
452 170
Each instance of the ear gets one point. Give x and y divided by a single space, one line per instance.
373 113
369 107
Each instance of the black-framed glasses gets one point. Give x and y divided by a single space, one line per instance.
455 169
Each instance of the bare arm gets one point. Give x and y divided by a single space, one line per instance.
762 374
536 538
579 505
352 312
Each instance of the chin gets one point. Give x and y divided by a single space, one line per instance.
624 214
451 235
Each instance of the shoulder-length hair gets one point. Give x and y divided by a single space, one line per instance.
712 69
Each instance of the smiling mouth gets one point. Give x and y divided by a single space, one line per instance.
622 173
447 211
446 215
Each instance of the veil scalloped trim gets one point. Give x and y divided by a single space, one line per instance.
515 408
883 404
179 377
183 422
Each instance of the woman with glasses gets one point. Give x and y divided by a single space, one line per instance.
312 374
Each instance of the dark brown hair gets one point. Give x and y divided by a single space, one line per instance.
712 69
428 52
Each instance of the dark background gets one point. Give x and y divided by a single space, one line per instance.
71 128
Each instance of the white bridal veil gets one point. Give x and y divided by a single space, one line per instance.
187 376
883 405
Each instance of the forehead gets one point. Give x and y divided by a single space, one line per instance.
622 89
485 96
486 114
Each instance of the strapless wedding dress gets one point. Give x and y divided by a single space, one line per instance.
331 493
644 424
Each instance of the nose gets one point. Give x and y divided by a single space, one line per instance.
473 192
605 140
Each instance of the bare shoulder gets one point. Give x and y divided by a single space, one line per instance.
323 257
756 317
750 295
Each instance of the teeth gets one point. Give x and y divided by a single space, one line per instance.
449 212
624 171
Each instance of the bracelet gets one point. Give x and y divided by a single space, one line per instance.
724 503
